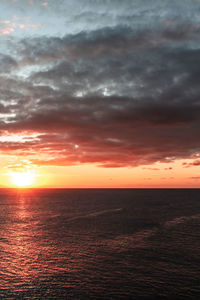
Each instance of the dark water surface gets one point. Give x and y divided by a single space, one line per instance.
99 244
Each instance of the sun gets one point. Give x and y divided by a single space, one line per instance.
22 179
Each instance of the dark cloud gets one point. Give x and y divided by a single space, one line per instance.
7 63
192 164
119 96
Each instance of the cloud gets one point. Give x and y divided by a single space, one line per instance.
45 4
7 63
192 164
125 95
152 169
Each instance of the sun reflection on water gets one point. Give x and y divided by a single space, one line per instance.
21 245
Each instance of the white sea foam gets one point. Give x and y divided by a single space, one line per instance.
180 220
95 214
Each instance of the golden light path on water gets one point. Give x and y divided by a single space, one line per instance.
21 247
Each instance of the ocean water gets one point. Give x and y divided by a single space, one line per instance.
100 244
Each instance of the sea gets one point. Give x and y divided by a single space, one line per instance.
100 244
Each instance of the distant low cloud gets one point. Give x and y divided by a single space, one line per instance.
192 164
151 169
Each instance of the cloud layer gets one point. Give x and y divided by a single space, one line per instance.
120 95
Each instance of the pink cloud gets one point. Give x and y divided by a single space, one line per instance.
45 4
21 26
7 30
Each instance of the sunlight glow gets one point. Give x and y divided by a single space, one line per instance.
22 179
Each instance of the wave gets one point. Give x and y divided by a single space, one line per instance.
180 220
95 214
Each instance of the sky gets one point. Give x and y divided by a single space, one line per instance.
100 93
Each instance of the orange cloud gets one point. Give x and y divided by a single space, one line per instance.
36 26
194 163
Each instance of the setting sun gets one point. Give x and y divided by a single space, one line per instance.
22 179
